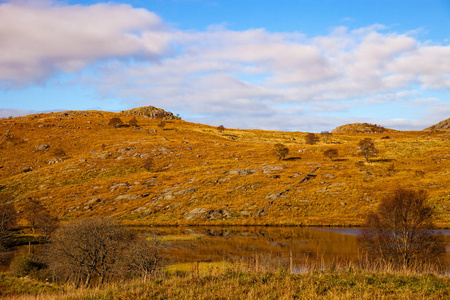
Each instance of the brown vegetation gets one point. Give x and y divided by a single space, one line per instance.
311 139
202 171
400 232
280 151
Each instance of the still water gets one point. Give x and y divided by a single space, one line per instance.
277 244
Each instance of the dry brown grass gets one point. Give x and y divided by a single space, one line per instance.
102 171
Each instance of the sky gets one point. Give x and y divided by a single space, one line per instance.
292 65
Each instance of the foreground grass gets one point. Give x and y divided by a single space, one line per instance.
229 283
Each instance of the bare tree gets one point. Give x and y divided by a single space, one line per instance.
143 258
280 150
8 217
367 148
89 248
401 232
8 220
311 139
32 209
331 153
46 223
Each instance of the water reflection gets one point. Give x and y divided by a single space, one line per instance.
278 244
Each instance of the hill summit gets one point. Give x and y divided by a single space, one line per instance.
361 128
152 113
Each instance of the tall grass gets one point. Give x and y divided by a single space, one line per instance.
260 277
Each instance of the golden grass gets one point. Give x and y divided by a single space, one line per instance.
102 172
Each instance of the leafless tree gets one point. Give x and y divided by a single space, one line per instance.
89 248
400 233
8 219
311 139
280 150
31 210
143 258
102 249
367 148
331 153
46 223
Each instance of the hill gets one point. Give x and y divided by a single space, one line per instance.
361 128
443 125
168 171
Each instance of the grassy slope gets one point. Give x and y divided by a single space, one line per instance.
246 285
192 165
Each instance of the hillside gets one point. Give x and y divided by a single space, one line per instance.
443 125
78 165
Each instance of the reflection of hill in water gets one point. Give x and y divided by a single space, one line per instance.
247 242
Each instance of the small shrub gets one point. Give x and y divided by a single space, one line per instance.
326 136
115 122
331 153
280 151
311 139
58 152
133 122
149 164
162 124
28 265
220 128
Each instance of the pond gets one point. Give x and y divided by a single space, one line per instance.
284 246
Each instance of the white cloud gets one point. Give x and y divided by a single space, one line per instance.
41 38
220 74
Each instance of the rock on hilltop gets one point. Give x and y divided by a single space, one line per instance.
441 125
152 113
361 128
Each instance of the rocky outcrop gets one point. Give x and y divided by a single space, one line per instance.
361 128
443 125
152 113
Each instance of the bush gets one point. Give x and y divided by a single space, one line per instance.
148 164
133 122
331 153
280 151
311 139
115 122
28 265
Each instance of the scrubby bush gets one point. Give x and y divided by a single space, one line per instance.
331 153
115 122
133 122
311 139
148 164
280 150
28 265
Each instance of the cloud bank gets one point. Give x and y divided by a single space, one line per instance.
245 79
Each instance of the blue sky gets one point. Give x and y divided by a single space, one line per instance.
278 65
